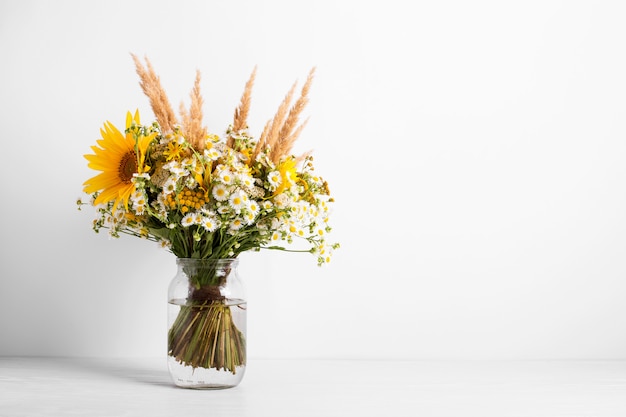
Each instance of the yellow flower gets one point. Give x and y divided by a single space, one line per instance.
287 169
119 157
173 151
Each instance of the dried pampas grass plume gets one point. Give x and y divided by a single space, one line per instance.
290 130
193 130
281 132
240 120
274 127
151 86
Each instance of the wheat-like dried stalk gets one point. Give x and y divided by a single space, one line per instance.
193 129
151 86
185 118
279 119
240 120
261 144
289 141
287 135
269 137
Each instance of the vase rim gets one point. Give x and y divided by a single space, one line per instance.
221 260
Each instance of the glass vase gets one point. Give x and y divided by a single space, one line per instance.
207 324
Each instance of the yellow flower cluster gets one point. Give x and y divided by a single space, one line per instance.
186 200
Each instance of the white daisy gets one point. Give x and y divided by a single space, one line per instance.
169 186
220 192
238 201
236 224
175 168
212 154
253 207
207 212
226 176
138 199
249 217
274 178
209 223
188 220
246 180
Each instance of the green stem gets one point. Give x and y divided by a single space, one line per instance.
204 335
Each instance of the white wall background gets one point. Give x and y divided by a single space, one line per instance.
476 150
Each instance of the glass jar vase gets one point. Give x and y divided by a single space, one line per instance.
207 324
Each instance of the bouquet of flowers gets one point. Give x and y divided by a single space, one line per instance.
204 196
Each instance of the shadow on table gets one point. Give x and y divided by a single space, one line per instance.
142 371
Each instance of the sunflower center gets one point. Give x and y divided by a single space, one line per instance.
128 167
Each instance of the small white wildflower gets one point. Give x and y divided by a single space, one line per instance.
190 183
253 207
275 179
188 220
212 154
144 176
169 186
238 200
236 224
246 180
226 176
209 223
277 224
249 217
220 192
136 195
176 169
119 215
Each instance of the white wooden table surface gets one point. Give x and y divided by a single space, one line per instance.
141 387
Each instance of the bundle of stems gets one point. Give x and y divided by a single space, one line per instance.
204 335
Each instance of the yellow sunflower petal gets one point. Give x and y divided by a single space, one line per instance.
116 158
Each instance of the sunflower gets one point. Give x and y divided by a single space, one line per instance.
119 157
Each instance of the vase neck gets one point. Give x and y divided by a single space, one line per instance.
208 263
